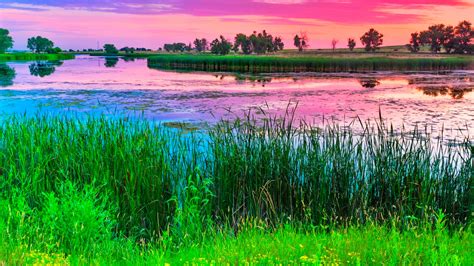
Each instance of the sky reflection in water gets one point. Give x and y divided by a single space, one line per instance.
97 85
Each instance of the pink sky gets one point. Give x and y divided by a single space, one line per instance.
82 23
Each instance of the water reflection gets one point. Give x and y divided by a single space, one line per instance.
44 68
85 85
369 82
456 92
7 74
128 59
111 61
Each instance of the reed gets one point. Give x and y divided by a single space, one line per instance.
271 169
269 64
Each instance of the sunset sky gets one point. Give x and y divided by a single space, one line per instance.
81 24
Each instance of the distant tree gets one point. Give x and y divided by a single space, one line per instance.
110 49
188 47
415 43
175 47
258 43
333 44
351 44
6 41
55 50
39 44
463 34
200 45
221 46
434 37
278 44
372 40
242 42
449 40
301 41
128 50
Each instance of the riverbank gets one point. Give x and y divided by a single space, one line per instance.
282 64
34 57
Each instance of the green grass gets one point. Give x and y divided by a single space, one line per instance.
34 57
105 189
268 64
354 246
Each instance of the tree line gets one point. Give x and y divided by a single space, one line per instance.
451 39
437 37
36 44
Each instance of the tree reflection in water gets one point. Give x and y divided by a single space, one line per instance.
7 74
111 61
369 82
44 68
456 92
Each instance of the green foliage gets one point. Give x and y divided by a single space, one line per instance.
39 44
221 46
55 50
110 49
270 64
107 191
6 41
372 40
175 47
192 217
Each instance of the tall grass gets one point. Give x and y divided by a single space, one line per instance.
34 57
268 64
273 170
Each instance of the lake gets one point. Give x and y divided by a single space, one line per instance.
113 86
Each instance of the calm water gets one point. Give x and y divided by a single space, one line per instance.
95 85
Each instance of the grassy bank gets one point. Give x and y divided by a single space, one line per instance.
287 245
268 64
34 57
108 188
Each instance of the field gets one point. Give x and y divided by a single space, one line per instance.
312 62
108 190
33 57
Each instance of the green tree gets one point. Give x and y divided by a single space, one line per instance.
39 44
221 46
110 49
6 41
351 44
372 40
